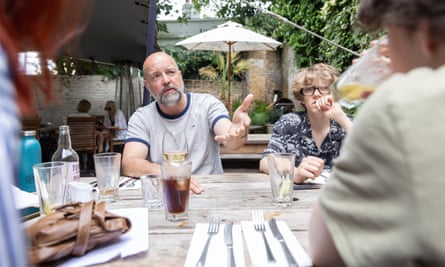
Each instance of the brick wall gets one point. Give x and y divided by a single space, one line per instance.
239 89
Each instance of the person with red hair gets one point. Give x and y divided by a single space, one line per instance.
43 26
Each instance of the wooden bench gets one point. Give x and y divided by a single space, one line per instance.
252 150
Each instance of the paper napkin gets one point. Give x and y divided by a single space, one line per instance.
322 179
24 199
257 250
217 253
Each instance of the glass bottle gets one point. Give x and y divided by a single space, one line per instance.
66 153
30 154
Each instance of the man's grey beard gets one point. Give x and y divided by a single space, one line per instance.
170 99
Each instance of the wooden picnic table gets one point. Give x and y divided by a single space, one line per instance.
232 196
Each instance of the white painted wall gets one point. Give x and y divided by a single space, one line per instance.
70 90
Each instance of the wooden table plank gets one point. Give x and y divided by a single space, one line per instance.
232 196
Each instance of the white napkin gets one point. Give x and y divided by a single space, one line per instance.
257 250
217 253
322 179
24 199
133 242
130 183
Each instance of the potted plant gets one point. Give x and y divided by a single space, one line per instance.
258 116
273 115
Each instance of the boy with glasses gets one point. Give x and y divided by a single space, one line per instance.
316 134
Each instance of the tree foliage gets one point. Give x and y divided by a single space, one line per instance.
332 19
73 66
218 70
189 62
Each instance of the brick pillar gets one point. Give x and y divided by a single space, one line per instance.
265 74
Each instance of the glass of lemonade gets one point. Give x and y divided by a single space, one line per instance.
174 146
361 78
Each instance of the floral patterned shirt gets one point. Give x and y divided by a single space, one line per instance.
292 133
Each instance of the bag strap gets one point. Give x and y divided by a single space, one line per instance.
99 214
83 232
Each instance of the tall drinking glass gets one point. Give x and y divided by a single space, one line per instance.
50 179
362 77
176 188
174 146
281 173
108 167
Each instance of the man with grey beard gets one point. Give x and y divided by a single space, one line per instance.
202 117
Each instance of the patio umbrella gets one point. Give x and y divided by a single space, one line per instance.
227 37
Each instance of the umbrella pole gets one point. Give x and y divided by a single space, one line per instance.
229 74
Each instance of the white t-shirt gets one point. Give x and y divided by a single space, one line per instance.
148 124
119 121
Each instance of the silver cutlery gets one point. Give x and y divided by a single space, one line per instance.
132 183
124 181
276 232
212 230
228 239
258 223
93 183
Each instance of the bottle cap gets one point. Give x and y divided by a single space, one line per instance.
29 133
64 127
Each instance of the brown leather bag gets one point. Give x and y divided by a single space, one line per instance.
73 229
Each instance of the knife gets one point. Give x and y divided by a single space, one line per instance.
229 243
276 232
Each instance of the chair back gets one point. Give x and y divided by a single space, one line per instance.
83 133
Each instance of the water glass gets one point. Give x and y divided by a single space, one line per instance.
50 179
108 167
281 173
151 190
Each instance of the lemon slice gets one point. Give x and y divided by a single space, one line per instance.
47 208
351 92
284 188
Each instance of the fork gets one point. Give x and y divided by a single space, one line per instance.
212 230
258 223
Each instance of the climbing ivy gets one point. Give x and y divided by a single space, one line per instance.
332 19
